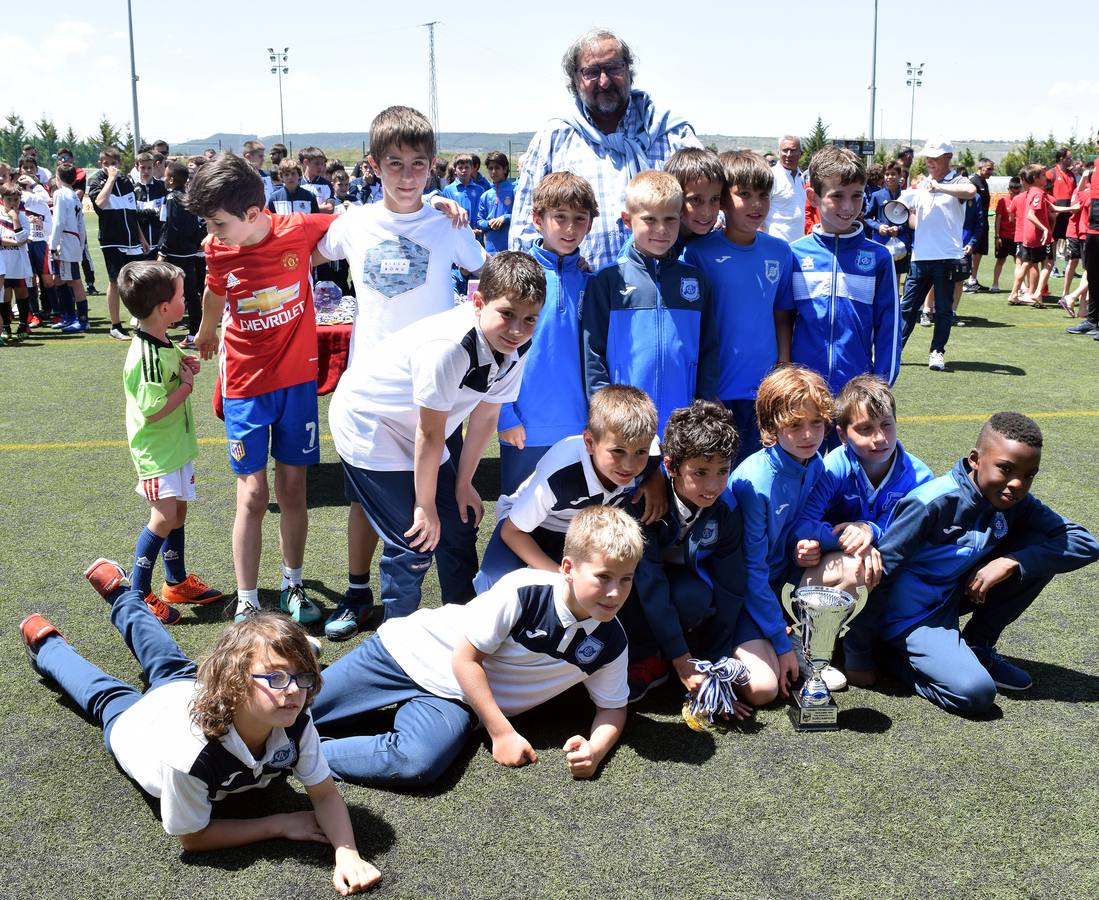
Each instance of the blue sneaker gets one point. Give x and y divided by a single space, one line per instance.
298 606
350 616
1006 675
77 327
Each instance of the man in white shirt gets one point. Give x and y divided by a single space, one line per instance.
936 213
786 218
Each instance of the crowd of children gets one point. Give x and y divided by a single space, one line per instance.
683 433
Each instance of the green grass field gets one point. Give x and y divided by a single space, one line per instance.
905 800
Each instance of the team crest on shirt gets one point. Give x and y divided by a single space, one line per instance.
507 201
688 289
999 526
290 260
588 649
282 756
864 260
232 281
807 262
770 270
395 267
236 450
709 533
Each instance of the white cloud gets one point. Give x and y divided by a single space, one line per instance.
1070 90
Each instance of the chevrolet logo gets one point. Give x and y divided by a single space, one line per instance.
268 300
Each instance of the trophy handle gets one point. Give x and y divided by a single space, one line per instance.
788 605
861 596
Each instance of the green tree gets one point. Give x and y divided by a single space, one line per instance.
1011 162
1047 150
817 139
106 135
919 167
881 155
13 135
46 139
966 158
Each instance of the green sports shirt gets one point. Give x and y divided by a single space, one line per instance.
151 374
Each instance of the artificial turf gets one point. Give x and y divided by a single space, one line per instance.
905 800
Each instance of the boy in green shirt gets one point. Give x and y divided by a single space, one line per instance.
160 428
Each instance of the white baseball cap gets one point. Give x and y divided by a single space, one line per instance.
936 147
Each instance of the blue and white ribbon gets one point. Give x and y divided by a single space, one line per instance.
715 696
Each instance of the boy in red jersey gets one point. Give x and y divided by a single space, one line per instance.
1005 229
258 273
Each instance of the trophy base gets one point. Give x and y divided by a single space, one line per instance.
814 718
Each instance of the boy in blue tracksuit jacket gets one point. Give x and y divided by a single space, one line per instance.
494 208
552 402
647 319
750 273
689 584
881 228
974 540
771 487
845 287
847 511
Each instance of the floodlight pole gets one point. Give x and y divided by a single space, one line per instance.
133 77
432 91
915 73
279 67
874 72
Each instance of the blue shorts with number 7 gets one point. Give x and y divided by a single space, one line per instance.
284 421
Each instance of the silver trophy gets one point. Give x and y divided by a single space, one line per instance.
821 616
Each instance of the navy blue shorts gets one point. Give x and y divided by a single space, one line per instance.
284 421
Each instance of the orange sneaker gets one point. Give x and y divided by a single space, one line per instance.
161 610
191 590
35 629
106 576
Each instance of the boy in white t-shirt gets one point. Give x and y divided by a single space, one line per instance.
391 414
400 253
530 638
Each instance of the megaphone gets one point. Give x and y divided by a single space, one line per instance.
895 212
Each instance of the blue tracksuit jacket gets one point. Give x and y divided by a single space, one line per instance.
848 310
467 196
875 218
750 284
971 224
712 548
649 322
946 527
552 402
495 202
771 489
843 493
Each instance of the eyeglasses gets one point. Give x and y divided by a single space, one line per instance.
280 680
613 69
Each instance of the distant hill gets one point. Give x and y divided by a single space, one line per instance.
481 142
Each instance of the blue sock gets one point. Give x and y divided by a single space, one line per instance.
148 546
175 569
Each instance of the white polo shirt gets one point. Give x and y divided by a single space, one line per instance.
442 363
786 218
939 220
534 647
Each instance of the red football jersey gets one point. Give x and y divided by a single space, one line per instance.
1038 203
1064 183
269 340
1078 221
1005 218
1018 212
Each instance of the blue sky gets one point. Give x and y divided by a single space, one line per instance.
731 67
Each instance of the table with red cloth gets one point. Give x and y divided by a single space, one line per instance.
333 346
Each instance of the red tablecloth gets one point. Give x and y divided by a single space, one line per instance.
333 345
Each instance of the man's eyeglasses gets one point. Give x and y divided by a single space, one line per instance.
613 69
280 680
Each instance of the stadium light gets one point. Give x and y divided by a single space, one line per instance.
280 67
915 74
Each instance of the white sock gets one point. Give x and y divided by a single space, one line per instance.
247 598
290 577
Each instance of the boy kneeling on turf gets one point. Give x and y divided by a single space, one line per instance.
531 637
690 581
974 540
236 722
849 508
